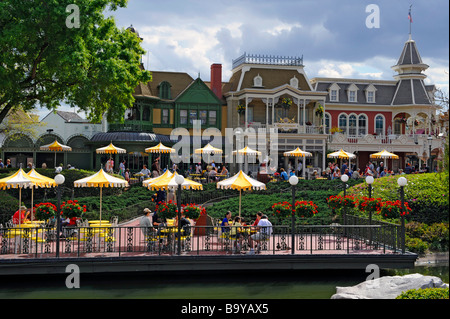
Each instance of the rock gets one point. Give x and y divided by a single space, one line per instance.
388 287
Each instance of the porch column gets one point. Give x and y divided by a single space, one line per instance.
304 117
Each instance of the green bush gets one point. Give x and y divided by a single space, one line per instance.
416 245
427 195
435 236
8 206
428 293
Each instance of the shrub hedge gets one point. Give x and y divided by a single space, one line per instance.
428 293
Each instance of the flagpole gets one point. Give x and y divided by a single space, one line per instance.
410 20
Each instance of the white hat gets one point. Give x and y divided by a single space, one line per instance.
146 210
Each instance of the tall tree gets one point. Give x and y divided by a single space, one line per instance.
47 57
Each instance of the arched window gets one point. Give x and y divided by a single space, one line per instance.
343 123
362 125
352 129
294 82
164 90
327 123
379 125
257 81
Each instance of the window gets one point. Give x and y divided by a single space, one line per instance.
334 95
362 125
165 116
257 81
212 118
334 92
343 123
183 117
327 123
379 125
352 129
352 93
352 96
203 117
164 90
370 93
294 82
192 116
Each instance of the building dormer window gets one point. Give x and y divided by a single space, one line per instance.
165 91
370 94
334 92
352 93
257 81
294 82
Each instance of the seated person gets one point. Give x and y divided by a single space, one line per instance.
235 232
20 216
263 234
185 225
145 222
226 223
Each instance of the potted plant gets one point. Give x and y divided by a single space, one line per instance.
286 103
45 211
335 129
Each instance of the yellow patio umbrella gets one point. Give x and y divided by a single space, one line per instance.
101 179
55 147
241 181
47 181
297 153
110 149
384 154
167 181
146 182
20 180
247 151
160 149
208 149
341 154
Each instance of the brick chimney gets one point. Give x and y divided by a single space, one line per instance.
216 79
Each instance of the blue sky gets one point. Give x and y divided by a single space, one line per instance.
190 35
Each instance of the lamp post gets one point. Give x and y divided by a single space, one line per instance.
369 180
59 180
430 142
344 179
293 180
402 183
179 179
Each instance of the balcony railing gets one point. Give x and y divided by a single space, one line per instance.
267 59
131 126
358 238
340 138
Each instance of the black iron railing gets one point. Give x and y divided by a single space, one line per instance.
199 240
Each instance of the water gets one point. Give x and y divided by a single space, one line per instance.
302 284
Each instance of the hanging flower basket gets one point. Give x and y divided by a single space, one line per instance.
241 108
71 209
282 209
167 210
286 103
305 209
319 111
193 211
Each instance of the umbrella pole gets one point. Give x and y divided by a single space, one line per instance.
32 195
240 196
20 201
55 159
101 188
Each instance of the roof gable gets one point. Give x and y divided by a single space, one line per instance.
198 92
